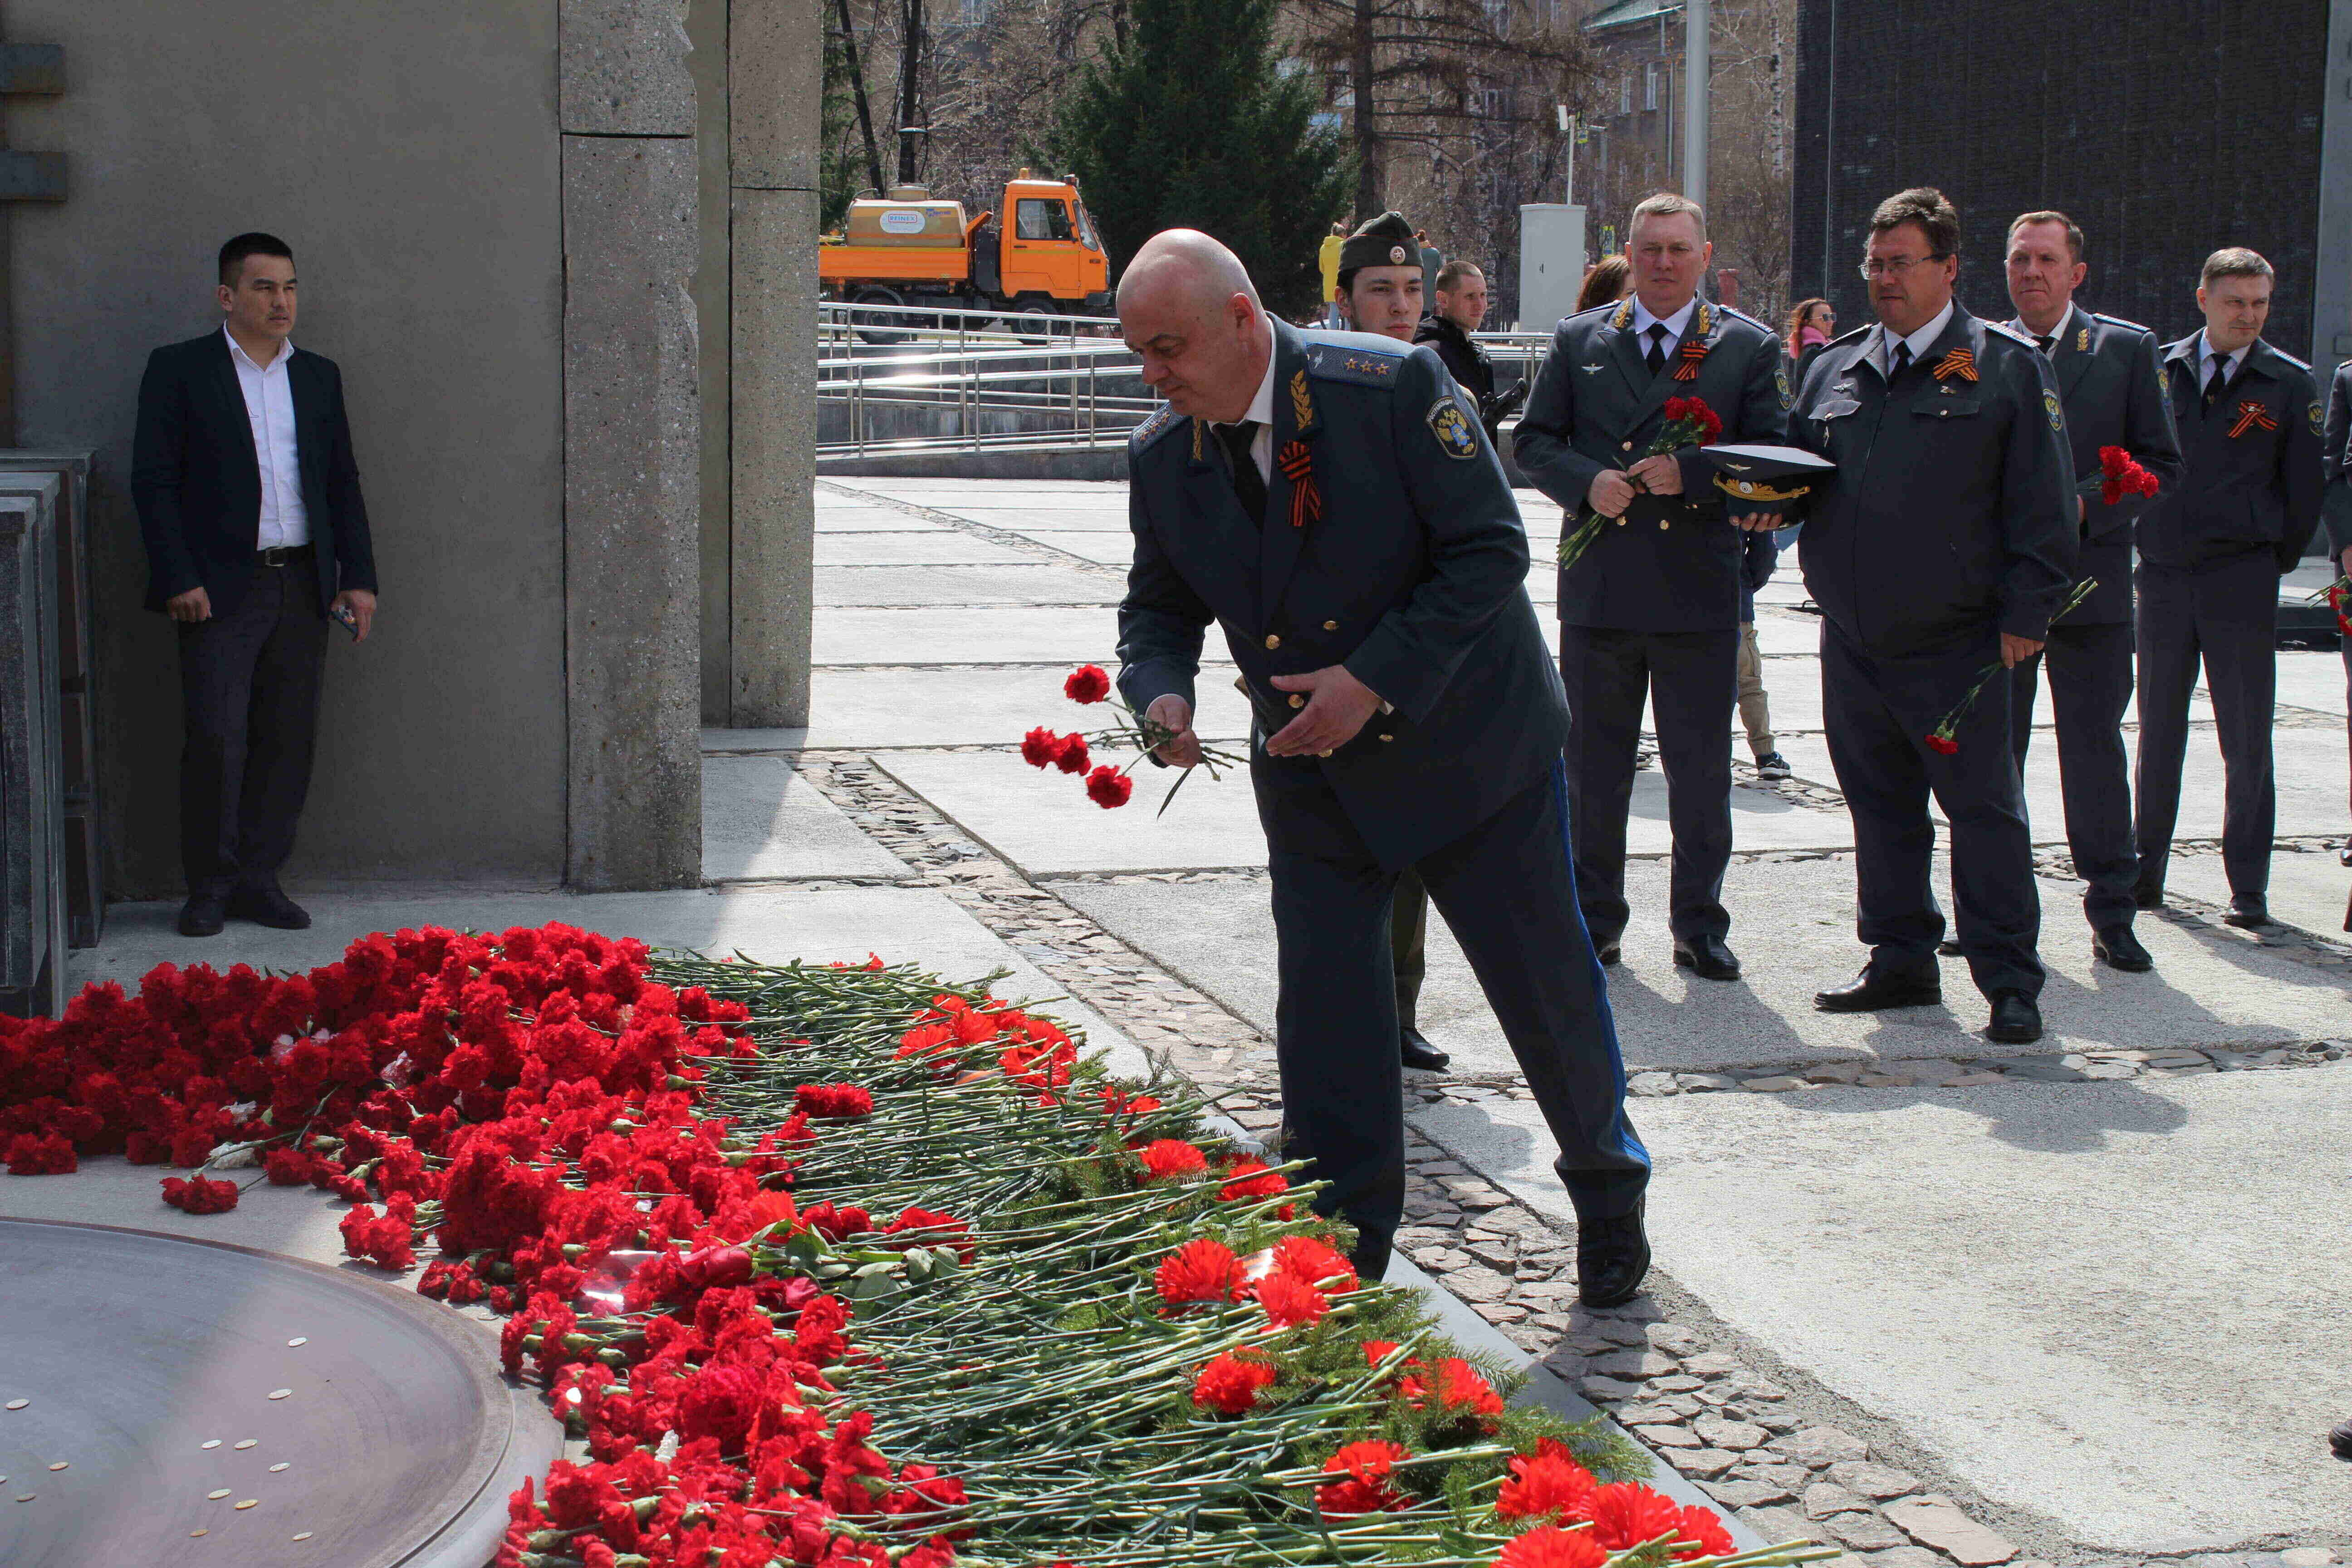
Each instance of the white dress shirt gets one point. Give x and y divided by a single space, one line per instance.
269 411
1920 342
2207 358
1676 325
1261 409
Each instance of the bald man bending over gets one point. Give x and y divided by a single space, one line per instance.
1330 500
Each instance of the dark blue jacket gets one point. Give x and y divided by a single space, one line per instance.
1671 563
1414 577
1951 515
197 483
2254 464
2336 504
2114 397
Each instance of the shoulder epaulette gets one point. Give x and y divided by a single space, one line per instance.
1854 336
1355 362
2012 334
2302 366
1744 316
1163 419
2119 321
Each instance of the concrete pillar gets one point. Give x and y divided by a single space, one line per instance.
2331 290
632 447
775 62
705 24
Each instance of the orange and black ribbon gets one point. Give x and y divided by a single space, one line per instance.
1297 465
2250 414
1958 364
1693 353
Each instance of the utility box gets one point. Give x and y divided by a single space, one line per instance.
1551 263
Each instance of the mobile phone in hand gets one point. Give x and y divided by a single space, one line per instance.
350 622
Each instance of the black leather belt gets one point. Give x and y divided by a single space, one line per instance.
284 554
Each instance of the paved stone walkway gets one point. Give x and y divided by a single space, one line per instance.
1934 1299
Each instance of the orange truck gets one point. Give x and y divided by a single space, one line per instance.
908 247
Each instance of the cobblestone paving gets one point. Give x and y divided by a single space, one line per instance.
1764 1440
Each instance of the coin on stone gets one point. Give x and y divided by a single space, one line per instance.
58 1465
210 1443
280 1465
248 1442
304 1536
215 1497
303 1340
18 1403
250 1503
280 1393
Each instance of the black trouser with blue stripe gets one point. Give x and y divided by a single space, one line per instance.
1508 890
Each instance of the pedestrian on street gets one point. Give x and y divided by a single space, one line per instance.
1812 322
1940 547
1606 281
1757 564
1332 503
1458 309
2114 396
248 500
1327 258
2335 507
2211 551
1380 293
1652 610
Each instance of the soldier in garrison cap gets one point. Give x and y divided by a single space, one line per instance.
2211 551
1379 290
1329 500
2112 395
1944 543
1651 609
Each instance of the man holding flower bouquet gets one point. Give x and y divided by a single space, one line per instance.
1649 564
2125 450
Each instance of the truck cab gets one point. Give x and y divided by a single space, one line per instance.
1049 244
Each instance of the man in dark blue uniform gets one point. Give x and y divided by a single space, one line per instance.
2336 510
2114 396
1330 500
1943 544
1651 609
2211 551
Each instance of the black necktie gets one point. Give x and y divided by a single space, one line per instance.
1902 359
2045 340
2218 386
1657 355
1249 483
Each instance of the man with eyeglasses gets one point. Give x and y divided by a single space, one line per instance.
1940 548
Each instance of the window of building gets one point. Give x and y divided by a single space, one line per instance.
1625 93
1650 85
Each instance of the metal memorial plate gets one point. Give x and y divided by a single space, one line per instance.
168 1400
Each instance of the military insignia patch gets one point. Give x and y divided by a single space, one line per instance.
2083 341
2057 415
1302 408
1781 381
1451 428
2318 417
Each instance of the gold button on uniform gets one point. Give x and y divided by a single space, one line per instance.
1297 700
1388 736
1322 753
1628 446
1330 626
1272 642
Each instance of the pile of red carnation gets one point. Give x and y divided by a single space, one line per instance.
1106 786
2122 476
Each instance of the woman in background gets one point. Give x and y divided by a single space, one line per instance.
1812 321
1610 280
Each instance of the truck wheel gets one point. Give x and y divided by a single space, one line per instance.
1033 318
878 327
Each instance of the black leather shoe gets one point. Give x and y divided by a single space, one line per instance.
2118 949
205 913
2016 1020
1949 947
2147 895
1612 1256
268 906
2247 910
1871 991
1708 958
1417 1052
1606 952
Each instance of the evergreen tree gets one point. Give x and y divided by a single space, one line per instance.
1191 122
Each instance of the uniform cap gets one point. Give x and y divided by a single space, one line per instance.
1385 241
1764 478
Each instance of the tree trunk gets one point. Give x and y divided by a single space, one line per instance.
857 86
911 58
1364 122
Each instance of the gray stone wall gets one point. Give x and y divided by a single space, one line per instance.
408 150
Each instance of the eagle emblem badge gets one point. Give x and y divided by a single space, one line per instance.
1451 428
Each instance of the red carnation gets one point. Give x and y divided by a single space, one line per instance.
1087 683
1251 1178
1678 408
1200 1270
1230 1384
832 1099
1624 1514
1941 744
199 1195
1108 787
1462 1391
1170 1157
1547 1484
1071 756
1553 1548
1702 1531
1366 1467
1040 746
41 1155
2113 461
1289 1301
1313 1262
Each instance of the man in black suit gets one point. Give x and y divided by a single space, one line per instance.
2114 396
1651 608
249 503
1330 500
1941 546
2211 551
